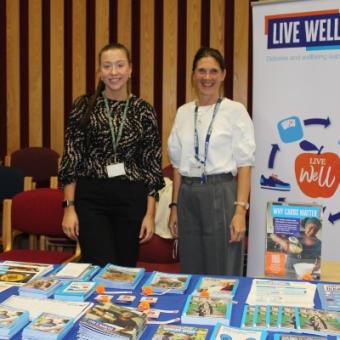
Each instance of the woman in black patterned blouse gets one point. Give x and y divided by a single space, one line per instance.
111 166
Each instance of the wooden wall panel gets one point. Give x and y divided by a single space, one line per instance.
62 57
193 41
147 50
169 69
79 48
13 76
124 22
241 32
57 75
102 26
35 72
217 24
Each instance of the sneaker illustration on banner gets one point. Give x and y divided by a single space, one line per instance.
274 183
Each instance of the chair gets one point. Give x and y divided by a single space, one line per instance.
159 254
39 162
12 181
38 212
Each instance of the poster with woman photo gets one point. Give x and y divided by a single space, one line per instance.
293 244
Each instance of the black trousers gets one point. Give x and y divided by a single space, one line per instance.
110 213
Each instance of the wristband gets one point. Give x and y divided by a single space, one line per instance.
172 204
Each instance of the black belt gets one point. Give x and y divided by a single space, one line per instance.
210 178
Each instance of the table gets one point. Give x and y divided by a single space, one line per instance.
176 301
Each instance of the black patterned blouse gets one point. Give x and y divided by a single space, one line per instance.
89 150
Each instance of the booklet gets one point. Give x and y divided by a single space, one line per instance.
167 282
40 287
317 321
35 307
329 294
107 320
216 286
180 332
224 332
298 337
206 310
75 271
113 276
12 320
75 291
48 326
19 273
281 293
293 245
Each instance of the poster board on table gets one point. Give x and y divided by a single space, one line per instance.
293 240
296 114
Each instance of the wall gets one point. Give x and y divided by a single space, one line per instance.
49 48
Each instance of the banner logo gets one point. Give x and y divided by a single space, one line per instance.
317 30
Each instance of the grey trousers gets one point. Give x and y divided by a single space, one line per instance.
204 215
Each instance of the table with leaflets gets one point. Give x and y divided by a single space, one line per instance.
174 302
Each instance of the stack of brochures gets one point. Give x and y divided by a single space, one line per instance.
168 283
281 293
289 319
19 273
216 286
224 332
12 320
40 288
207 310
71 309
110 321
113 276
48 326
75 271
180 332
75 291
329 294
298 337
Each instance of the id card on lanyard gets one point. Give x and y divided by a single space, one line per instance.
115 169
203 161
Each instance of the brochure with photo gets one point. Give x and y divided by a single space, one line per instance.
113 276
206 310
216 286
179 332
294 240
167 282
75 291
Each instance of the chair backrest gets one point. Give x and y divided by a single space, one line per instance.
38 211
39 162
11 182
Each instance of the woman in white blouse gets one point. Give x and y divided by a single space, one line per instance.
211 142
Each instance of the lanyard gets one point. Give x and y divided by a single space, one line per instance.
207 138
108 112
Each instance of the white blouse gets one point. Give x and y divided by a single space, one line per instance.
232 142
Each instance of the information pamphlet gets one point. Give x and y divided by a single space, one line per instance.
216 286
224 332
167 282
293 246
180 332
206 310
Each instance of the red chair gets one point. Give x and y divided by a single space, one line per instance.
38 162
37 212
159 254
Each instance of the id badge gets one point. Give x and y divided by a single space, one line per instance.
114 170
195 169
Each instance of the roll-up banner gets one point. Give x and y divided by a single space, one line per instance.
296 113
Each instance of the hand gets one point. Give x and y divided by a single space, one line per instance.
70 223
237 228
147 229
173 222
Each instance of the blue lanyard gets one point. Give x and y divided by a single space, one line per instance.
207 138
108 112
